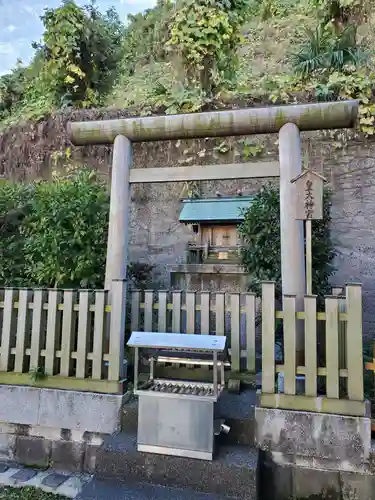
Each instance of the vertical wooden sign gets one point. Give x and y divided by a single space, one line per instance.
309 206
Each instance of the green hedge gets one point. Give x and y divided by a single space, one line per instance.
54 234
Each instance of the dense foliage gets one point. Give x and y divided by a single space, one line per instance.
260 232
54 234
206 34
27 493
82 50
184 55
76 63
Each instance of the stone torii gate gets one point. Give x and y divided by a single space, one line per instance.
287 121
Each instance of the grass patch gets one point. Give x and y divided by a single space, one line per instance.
8 493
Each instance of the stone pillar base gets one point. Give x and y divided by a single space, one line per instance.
314 455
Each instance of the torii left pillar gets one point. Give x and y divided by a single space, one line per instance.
119 213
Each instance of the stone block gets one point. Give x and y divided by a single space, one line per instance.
33 451
83 411
24 475
310 482
67 455
54 480
357 486
7 446
6 428
275 481
314 439
73 486
89 461
19 404
45 432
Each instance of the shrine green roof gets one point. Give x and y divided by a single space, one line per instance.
198 210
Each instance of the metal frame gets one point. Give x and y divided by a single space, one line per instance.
176 417
178 342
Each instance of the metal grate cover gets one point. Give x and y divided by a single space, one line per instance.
194 389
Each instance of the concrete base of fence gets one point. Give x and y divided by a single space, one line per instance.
315 440
49 427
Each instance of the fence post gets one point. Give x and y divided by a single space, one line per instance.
311 362
339 292
83 333
162 315
250 332
135 308
176 312
190 312
268 338
354 342
37 328
205 312
117 331
148 311
219 313
235 332
67 332
54 297
7 328
332 347
289 311
22 329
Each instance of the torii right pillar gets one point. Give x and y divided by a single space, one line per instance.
291 229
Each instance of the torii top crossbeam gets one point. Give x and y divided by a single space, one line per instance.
327 115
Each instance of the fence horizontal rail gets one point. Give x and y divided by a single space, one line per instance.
319 354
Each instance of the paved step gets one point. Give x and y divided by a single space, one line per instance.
116 490
58 482
233 471
237 410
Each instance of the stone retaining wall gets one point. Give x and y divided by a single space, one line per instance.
314 455
55 428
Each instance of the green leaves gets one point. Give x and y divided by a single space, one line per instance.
82 50
59 237
260 232
205 35
322 49
54 234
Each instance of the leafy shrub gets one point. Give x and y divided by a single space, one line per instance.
12 89
145 37
156 88
59 236
82 49
352 85
54 234
260 232
15 200
321 49
139 274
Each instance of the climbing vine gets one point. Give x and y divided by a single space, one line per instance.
206 35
